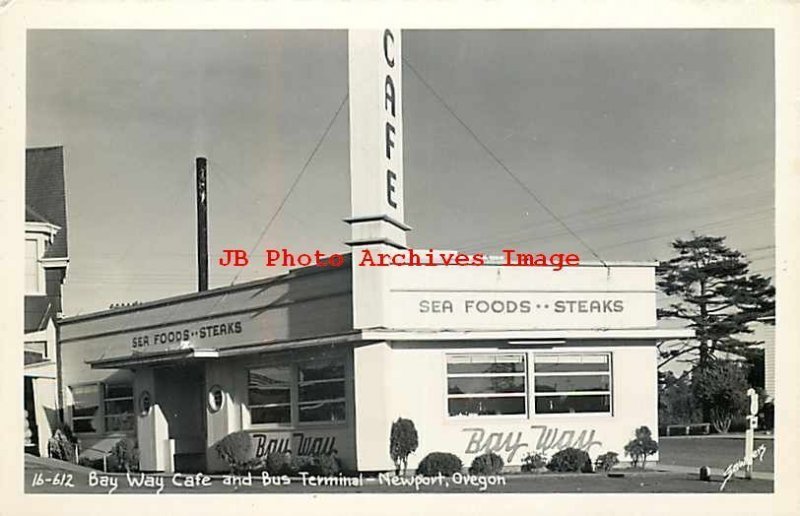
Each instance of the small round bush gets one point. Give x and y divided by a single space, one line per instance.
275 463
326 465
62 444
439 462
570 460
606 461
533 462
124 456
237 450
486 464
298 463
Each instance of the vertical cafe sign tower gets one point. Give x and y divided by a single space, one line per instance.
376 162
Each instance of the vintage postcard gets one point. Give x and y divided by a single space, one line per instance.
401 260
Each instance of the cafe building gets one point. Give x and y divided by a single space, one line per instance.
319 360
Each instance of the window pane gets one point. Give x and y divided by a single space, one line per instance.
569 404
31 266
321 372
322 391
270 377
572 383
325 411
486 406
85 396
119 390
566 363
122 423
485 385
119 407
481 363
84 425
270 414
269 396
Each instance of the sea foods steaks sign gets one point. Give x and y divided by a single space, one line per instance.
522 310
195 335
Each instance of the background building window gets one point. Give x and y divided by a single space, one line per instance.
118 407
35 351
86 408
486 384
32 267
269 396
321 392
571 383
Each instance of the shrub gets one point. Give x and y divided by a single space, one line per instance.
439 462
403 441
298 463
275 463
326 465
570 460
533 461
62 444
124 456
641 446
606 461
486 464
237 450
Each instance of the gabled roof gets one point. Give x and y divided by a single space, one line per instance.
45 194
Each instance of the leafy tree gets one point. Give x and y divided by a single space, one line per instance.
641 446
676 403
723 387
712 290
755 368
403 441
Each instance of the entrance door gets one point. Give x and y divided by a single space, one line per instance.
181 394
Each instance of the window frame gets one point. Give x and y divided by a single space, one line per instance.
39 288
101 414
291 383
106 415
482 417
342 399
294 394
609 392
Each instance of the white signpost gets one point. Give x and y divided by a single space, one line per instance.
749 440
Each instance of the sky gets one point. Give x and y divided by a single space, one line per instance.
632 137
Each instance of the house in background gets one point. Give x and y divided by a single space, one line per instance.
46 260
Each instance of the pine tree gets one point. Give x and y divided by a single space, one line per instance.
710 288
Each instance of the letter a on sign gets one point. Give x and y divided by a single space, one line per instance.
376 136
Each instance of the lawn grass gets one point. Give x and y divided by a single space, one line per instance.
715 452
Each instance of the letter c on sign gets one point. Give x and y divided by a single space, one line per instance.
387 35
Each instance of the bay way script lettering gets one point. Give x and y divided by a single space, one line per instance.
548 439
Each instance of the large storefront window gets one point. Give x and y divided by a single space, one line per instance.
101 407
320 391
270 395
572 383
486 384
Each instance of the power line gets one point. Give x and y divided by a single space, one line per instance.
501 164
619 206
296 180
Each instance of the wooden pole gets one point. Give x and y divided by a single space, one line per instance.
202 224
